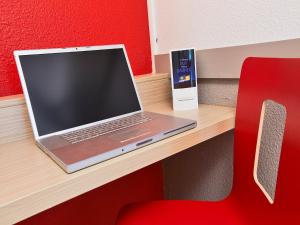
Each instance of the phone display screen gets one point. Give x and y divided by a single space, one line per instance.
184 69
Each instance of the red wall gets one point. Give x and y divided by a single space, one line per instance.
31 24
34 24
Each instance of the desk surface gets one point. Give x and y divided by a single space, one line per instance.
31 182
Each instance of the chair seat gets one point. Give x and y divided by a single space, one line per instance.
226 212
177 212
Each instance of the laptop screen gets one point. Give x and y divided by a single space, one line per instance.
71 89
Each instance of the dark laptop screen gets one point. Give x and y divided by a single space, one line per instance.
75 88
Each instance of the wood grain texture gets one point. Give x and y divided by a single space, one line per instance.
31 182
153 89
14 120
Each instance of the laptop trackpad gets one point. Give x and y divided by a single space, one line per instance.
129 135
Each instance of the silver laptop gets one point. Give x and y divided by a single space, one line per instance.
84 107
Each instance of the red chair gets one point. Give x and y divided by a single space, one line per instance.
261 79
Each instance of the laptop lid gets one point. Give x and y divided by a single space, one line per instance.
72 88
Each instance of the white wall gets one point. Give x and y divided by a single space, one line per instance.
206 24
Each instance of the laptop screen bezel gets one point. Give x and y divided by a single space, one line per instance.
19 53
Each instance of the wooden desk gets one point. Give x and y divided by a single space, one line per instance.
31 182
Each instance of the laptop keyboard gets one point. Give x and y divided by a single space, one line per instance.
104 128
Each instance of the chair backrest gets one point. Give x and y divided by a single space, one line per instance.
278 80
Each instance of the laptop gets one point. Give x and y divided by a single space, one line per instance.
84 107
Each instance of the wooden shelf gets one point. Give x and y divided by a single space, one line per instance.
31 182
